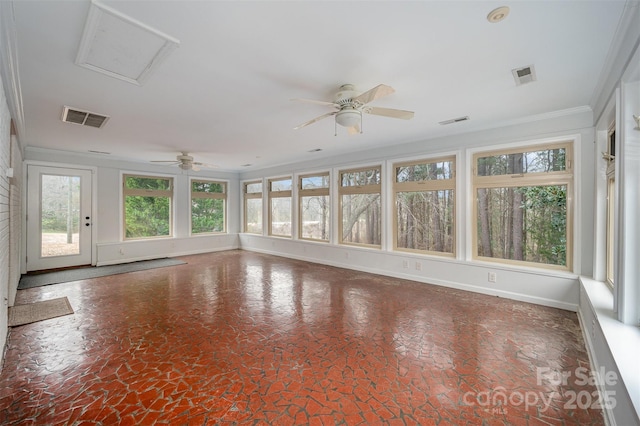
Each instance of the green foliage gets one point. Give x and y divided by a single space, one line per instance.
147 216
207 215
546 223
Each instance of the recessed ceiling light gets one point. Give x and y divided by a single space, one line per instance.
99 152
315 150
245 165
497 15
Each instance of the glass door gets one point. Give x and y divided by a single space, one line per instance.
58 217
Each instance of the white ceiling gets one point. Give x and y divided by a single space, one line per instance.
225 93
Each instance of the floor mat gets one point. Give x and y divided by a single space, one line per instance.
30 281
39 311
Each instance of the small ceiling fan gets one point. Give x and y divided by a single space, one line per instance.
349 104
185 162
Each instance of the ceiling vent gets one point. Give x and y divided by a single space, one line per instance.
524 75
84 118
121 47
454 120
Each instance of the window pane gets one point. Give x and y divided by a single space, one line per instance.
209 187
313 182
281 216
137 182
424 171
547 160
281 185
207 215
360 178
425 220
524 223
147 216
315 217
361 218
60 215
253 188
253 219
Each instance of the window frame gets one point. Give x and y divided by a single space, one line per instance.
249 196
147 193
424 186
208 195
355 190
323 191
610 193
532 179
271 195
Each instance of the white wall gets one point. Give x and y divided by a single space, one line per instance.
111 248
10 220
536 285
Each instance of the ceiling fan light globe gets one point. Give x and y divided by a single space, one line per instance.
348 117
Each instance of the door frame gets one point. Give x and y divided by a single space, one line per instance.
94 206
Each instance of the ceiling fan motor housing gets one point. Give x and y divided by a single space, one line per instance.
345 95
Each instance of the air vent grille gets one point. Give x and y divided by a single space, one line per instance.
84 118
454 120
524 75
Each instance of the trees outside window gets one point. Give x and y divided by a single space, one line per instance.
360 208
253 207
147 206
314 206
424 214
208 199
280 207
522 208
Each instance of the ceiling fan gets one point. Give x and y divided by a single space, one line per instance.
349 104
185 162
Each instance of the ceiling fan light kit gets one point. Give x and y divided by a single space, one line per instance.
349 117
349 105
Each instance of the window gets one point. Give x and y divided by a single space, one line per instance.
147 206
280 207
424 214
253 207
360 208
609 157
522 208
208 199
314 206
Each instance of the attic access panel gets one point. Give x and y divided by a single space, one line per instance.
121 47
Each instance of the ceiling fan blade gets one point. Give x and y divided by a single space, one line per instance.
354 130
373 94
165 161
312 101
205 165
389 112
315 119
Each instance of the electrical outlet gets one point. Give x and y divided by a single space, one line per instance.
346 254
121 251
405 264
492 277
418 266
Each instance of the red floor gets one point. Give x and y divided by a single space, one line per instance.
244 338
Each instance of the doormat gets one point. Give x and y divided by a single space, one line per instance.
38 280
39 311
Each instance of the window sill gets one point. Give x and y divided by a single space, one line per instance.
623 340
